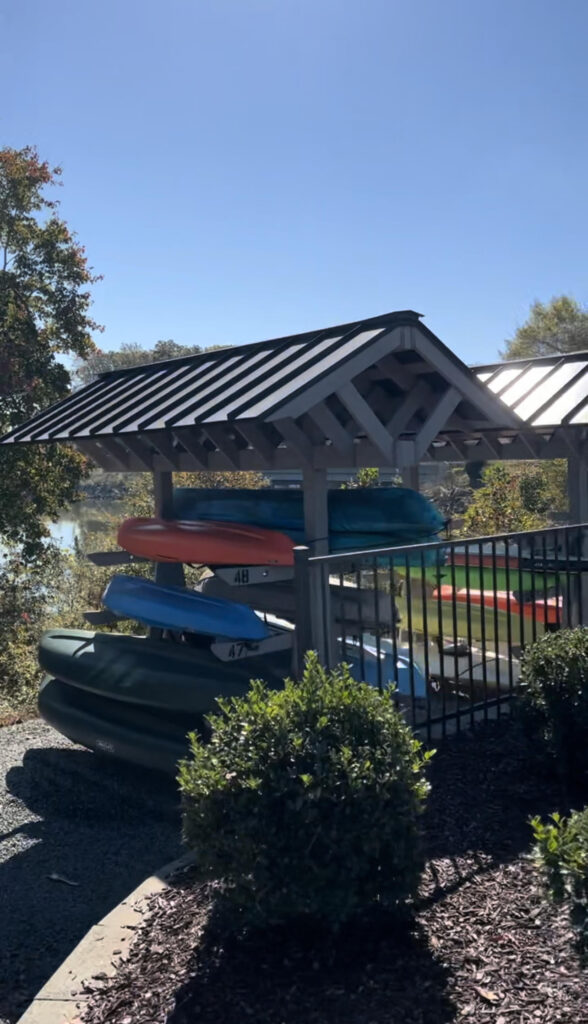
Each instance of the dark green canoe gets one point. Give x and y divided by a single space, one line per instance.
159 674
152 739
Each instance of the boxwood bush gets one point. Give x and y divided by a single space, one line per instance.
306 801
554 698
562 851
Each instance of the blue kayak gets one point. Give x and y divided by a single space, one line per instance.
364 517
368 672
176 608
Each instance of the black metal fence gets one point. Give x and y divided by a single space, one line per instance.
447 622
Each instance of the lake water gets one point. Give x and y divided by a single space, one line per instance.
64 532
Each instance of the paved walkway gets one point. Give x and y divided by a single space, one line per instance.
66 812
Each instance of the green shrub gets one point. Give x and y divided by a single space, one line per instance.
306 801
554 698
562 851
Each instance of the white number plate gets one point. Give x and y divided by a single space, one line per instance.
234 650
246 575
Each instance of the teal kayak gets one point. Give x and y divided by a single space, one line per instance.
362 517
176 608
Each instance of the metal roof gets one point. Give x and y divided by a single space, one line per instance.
549 391
381 391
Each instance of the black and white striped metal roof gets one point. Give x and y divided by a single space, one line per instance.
549 391
383 391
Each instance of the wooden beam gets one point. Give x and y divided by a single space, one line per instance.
141 451
189 439
297 440
163 442
219 437
257 437
363 415
397 372
435 422
413 401
331 427
111 462
113 558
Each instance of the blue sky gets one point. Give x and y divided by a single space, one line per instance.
243 169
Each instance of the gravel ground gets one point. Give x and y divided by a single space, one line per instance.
66 812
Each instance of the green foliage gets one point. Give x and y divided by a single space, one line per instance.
554 698
33 598
129 354
452 495
306 801
520 496
560 325
44 304
368 476
562 852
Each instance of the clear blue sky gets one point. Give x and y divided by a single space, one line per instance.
241 169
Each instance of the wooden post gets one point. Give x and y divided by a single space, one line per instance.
578 498
167 573
410 477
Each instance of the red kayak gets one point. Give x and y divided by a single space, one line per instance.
205 543
540 609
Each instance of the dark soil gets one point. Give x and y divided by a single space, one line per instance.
484 944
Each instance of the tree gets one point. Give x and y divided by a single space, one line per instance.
44 311
452 495
560 325
129 354
522 496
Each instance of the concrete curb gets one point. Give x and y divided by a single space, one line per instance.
99 952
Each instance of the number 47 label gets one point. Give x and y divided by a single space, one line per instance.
233 650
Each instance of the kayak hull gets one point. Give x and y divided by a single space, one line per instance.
105 726
158 674
176 608
399 514
204 543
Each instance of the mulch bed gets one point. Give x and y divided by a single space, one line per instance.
484 944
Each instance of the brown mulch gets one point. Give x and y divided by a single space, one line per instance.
484 945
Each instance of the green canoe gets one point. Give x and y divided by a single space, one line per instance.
155 673
126 731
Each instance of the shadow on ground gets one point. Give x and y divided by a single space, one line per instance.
485 787
367 975
102 825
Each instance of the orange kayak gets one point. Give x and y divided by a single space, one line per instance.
205 543
540 609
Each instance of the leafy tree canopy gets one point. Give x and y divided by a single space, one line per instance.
129 354
521 496
560 325
44 311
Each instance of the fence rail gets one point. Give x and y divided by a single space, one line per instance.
445 622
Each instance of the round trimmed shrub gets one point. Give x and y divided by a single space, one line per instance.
306 801
554 698
561 850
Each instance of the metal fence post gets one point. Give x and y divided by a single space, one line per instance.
303 599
